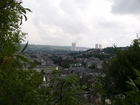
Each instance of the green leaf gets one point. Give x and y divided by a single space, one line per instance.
132 85
84 87
28 9
23 10
21 57
21 20
24 47
74 98
25 17
137 81
74 87
137 72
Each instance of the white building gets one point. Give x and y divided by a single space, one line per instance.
96 46
73 48
100 46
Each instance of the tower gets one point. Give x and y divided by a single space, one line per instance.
96 46
73 48
100 46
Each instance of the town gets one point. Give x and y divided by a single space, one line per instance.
87 62
86 65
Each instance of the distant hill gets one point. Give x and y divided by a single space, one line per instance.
49 47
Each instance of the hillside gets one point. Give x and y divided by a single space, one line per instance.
50 47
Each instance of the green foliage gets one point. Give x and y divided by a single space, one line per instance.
133 96
11 14
109 50
18 86
121 66
100 56
65 63
63 90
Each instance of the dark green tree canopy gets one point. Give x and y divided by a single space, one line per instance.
17 85
11 16
121 67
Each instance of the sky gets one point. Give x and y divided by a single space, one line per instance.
84 22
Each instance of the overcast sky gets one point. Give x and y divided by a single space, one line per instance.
85 22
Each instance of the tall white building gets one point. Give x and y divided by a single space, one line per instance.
73 48
96 46
100 46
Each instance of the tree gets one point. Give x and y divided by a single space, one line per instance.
62 90
11 14
119 68
17 85
133 96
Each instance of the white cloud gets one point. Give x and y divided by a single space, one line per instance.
87 22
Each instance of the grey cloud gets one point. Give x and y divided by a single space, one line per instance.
108 25
126 6
64 16
78 39
73 27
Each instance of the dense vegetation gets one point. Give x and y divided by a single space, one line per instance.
122 67
17 86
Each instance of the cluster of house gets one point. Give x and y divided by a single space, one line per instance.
46 65
44 61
